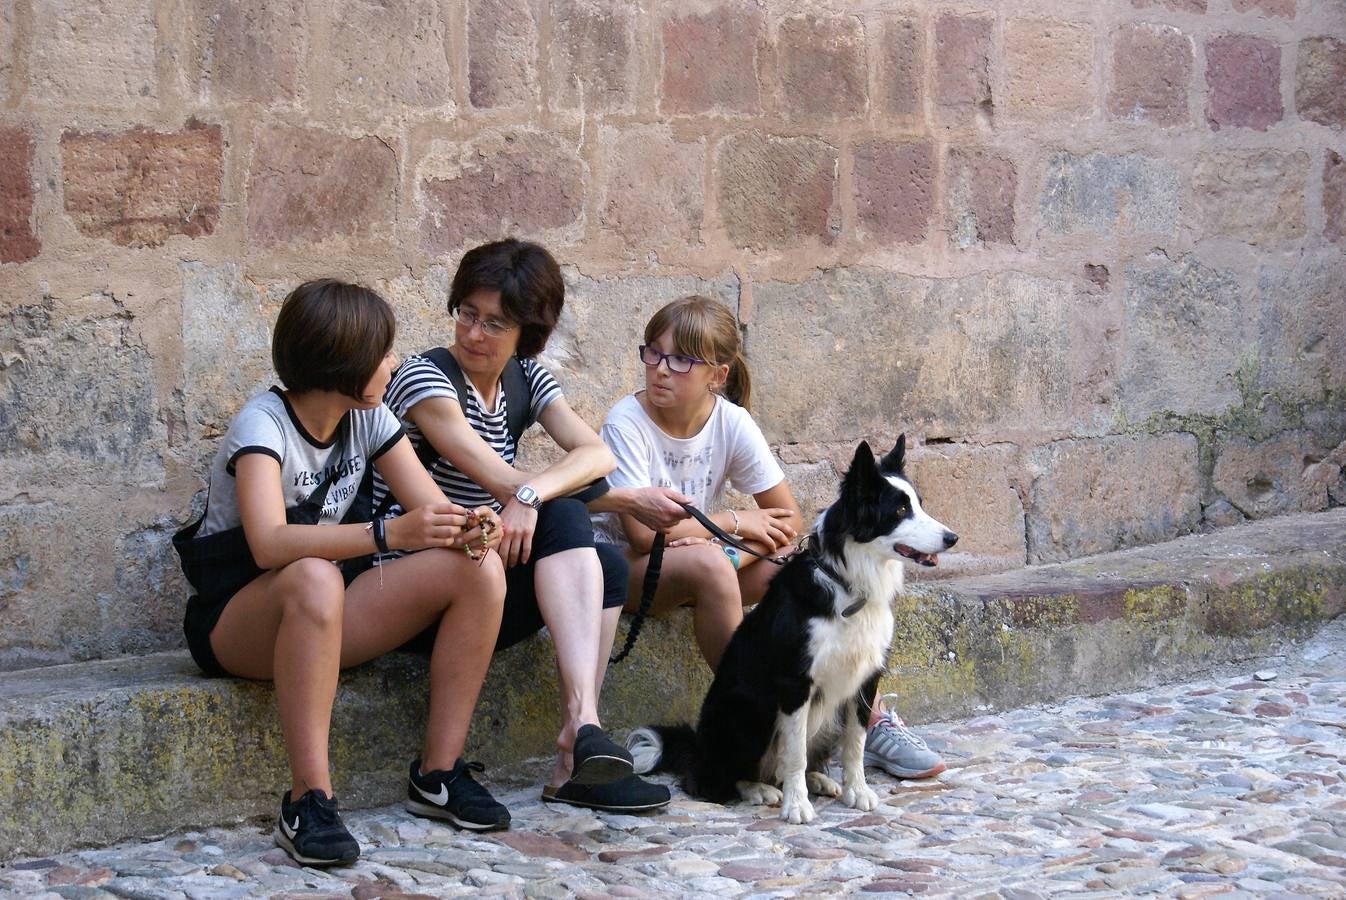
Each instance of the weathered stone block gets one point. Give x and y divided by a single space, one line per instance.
252 49
1282 8
1243 74
1186 333
1049 69
901 69
1334 196
1091 496
822 67
710 61
592 352
894 190
655 191
400 57
1188 6
19 241
1319 75
1151 74
53 612
594 66
140 187
971 490
1302 327
503 183
226 343
77 402
975 353
95 53
1267 478
1254 197
980 188
6 47
502 42
963 67
1127 194
307 184
777 191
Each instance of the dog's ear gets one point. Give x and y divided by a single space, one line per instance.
863 476
896 457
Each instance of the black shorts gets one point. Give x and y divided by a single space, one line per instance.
203 614
562 524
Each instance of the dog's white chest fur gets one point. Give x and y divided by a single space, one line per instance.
847 650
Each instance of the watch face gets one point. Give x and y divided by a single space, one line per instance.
527 495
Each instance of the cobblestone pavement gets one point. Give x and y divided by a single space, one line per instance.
1231 786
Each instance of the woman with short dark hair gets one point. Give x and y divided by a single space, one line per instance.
505 299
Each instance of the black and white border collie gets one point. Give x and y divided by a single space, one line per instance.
796 682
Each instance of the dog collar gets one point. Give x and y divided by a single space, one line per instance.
828 570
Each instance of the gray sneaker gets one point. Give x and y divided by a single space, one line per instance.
891 746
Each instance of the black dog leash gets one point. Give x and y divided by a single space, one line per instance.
650 583
809 545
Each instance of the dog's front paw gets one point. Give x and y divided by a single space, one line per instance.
859 795
795 807
820 784
759 794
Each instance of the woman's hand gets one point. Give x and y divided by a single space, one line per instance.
766 526
431 525
518 523
484 533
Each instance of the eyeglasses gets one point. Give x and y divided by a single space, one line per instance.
677 362
489 327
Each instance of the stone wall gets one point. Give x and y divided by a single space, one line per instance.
1088 255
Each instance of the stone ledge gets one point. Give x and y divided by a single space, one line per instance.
98 752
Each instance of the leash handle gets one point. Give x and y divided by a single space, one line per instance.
648 586
650 583
727 538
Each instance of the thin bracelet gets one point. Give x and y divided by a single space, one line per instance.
735 531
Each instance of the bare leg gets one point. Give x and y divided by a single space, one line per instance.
754 579
569 587
286 626
605 639
466 599
696 575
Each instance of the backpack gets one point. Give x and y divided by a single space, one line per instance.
517 406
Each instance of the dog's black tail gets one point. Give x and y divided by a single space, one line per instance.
662 748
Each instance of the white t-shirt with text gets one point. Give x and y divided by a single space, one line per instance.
729 449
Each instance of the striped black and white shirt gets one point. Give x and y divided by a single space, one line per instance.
419 379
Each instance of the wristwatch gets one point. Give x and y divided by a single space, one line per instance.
527 496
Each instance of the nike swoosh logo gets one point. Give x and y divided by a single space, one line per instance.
438 799
290 830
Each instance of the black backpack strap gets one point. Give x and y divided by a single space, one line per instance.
512 381
518 399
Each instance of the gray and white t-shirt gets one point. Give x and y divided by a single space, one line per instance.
267 424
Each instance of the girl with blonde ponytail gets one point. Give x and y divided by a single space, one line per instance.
690 431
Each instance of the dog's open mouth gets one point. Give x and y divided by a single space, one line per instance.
925 559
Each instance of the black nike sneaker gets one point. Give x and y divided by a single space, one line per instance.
455 796
310 830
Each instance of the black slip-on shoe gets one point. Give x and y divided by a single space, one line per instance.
455 796
311 831
625 795
598 760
